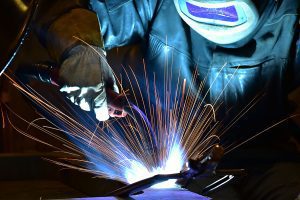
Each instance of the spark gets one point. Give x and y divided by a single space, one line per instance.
133 148
2 116
175 128
261 132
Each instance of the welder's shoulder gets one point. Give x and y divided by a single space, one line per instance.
49 10
58 21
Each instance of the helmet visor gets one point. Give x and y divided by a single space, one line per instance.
223 14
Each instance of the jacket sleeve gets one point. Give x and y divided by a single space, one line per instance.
124 22
59 22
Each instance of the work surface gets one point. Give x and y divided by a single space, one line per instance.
154 194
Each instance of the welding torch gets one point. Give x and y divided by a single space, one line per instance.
121 106
193 169
48 73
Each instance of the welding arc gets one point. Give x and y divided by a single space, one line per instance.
139 186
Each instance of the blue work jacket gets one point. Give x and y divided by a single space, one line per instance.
235 76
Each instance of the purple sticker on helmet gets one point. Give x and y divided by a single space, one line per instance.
228 13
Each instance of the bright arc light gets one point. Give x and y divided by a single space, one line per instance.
137 171
125 150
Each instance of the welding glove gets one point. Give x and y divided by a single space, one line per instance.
86 76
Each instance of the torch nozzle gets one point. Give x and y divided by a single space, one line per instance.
45 73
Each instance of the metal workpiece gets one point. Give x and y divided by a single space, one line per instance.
193 169
154 194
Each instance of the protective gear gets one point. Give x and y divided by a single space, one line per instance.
86 75
222 22
58 35
233 76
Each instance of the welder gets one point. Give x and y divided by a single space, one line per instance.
241 48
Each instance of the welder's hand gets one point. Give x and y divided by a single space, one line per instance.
86 76
116 104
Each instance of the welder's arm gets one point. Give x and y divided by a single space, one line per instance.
84 73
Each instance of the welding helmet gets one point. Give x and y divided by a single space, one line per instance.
220 21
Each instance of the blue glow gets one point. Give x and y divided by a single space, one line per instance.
173 164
